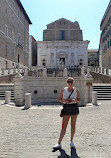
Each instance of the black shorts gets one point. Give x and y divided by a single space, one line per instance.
71 109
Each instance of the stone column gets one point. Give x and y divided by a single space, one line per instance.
69 54
98 70
109 71
95 69
104 71
94 98
7 97
27 100
55 59
19 96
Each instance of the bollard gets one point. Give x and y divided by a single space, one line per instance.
7 97
94 98
27 100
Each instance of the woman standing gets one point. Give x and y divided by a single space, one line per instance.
70 97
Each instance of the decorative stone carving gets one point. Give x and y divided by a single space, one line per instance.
61 65
82 71
88 73
44 72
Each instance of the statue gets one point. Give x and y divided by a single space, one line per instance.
61 65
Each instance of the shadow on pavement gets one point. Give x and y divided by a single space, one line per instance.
64 155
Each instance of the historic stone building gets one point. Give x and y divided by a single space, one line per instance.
93 57
32 51
14 34
62 42
105 40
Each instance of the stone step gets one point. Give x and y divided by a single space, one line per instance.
101 87
103 98
103 91
2 95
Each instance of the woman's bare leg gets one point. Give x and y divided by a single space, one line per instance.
65 121
73 125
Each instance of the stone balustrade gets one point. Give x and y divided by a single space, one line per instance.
11 71
102 70
44 72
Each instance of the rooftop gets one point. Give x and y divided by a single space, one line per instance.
23 10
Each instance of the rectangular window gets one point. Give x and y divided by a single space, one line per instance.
6 65
13 5
62 35
6 30
108 44
18 13
13 37
18 40
12 52
6 49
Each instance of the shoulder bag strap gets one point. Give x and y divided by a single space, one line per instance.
70 94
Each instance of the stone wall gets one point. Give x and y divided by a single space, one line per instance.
47 89
15 40
63 29
100 78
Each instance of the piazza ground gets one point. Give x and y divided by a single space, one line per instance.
32 133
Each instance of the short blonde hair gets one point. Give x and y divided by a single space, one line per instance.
70 78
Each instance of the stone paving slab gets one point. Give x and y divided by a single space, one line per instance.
32 133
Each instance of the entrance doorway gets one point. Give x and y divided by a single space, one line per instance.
62 60
18 58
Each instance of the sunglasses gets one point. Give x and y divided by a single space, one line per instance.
70 81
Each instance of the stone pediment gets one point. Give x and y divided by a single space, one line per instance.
62 22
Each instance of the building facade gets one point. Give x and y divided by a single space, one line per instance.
62 42
105 39
93 58
32 51
14 34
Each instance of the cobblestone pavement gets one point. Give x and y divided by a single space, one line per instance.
32 133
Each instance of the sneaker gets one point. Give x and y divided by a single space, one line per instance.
57 146
72 144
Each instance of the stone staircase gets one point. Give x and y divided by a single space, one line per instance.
103 91
6 87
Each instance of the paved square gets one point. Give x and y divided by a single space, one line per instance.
32 133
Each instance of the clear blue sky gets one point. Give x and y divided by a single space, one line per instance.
88 13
